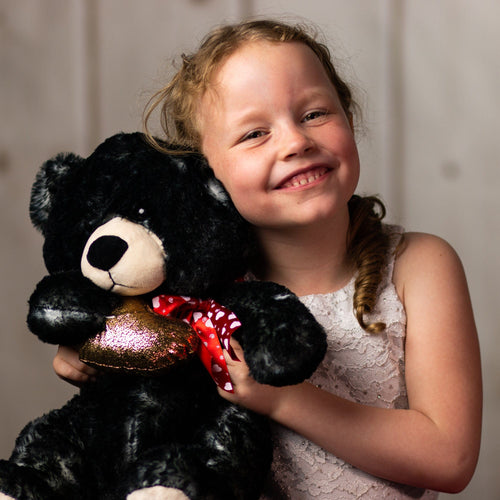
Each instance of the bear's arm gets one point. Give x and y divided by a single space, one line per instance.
282 341
67 308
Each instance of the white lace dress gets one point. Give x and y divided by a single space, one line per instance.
362 367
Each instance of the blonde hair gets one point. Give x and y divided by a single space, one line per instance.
368 249
178 101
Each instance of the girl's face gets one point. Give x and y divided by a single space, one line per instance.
275 133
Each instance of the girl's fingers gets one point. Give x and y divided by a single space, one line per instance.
68 367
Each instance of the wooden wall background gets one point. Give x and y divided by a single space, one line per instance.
73 72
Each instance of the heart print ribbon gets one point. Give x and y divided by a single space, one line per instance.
213 323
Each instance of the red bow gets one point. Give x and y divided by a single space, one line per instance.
213 323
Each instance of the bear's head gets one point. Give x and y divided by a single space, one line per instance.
136 220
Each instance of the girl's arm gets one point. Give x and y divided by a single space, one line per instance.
435 443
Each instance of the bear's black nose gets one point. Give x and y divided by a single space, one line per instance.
106 251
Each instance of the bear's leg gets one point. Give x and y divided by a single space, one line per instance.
230 459
164 471
46 461
238 446
22 483
155 493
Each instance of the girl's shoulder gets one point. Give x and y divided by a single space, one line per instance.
423 258
417 248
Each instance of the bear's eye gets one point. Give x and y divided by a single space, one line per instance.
140 214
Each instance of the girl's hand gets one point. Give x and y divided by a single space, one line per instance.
260 398
69 368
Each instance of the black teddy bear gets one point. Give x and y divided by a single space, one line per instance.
129 222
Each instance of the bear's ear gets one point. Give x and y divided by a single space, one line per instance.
49 180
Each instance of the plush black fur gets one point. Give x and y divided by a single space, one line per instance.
124 433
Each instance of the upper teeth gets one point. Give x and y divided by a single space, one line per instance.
302 179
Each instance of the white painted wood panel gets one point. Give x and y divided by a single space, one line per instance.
451 175
39 106
135 47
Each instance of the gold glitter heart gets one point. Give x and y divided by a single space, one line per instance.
137 340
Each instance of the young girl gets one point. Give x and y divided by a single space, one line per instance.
394 410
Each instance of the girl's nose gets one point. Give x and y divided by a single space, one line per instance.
295 142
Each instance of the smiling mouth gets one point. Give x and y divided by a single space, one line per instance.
304 178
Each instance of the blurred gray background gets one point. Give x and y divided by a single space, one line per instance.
73 72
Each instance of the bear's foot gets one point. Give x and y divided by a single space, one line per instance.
156 493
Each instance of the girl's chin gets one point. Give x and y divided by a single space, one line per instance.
302 222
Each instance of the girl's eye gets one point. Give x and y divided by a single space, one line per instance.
314 115
254 134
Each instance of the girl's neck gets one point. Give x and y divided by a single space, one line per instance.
307 260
